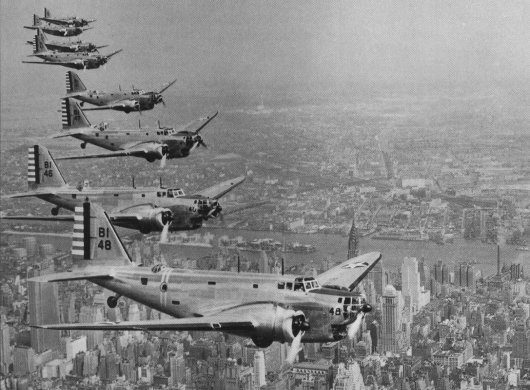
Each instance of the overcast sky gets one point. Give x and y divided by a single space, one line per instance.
228 44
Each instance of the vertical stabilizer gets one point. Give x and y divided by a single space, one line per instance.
94 239
74 83
72 115
36 20
40 45
42 170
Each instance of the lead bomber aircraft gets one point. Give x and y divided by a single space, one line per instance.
263 307
159 144
75 21
145 209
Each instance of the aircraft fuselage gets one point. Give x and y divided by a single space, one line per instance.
178 145
99 98
189 212
193 293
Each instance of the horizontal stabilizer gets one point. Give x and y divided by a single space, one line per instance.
51 218
85 274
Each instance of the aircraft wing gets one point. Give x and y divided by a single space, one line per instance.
28 194
56 21
163 88
135 151
218 190
223 322
48 63
350 273
199 124
116 104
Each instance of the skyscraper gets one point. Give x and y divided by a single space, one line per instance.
376 275
4 346
353 241
391 321
259 369
43 309
410 283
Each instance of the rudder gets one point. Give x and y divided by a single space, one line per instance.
74 83
40 45
42 170
72 115
36 20
94 239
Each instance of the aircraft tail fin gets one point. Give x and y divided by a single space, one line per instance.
72 115
40 45
74 83
47 13
36 20
94 239
42 170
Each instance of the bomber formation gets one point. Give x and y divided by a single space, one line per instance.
266 308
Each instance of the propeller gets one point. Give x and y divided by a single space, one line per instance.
165 233
167 217
300 326
295 348
163 161
354 327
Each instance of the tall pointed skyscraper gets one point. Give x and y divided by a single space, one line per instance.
353 241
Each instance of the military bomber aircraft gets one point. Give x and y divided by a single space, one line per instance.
126 101
263 307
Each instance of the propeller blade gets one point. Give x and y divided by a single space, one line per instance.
195 144
163 161
354 327
295 348
165 233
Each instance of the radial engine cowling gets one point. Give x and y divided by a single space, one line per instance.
274 323
156 151
148 219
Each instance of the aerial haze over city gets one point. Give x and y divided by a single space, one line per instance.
264 195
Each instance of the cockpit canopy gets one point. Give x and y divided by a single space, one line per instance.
166 131
300 284
170 193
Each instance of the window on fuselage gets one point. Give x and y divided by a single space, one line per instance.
298 286
281 285
143 281
289 285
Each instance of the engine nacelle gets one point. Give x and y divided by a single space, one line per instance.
131 104
149 219
156 151
274 323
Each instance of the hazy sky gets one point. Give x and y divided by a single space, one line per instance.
261 44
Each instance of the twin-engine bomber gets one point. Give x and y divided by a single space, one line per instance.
66 46
263 307
76 60
158 144
126 101
145 209
57 30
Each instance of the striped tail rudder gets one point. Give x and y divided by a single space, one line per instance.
81 233
94 239
42 170
72 116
